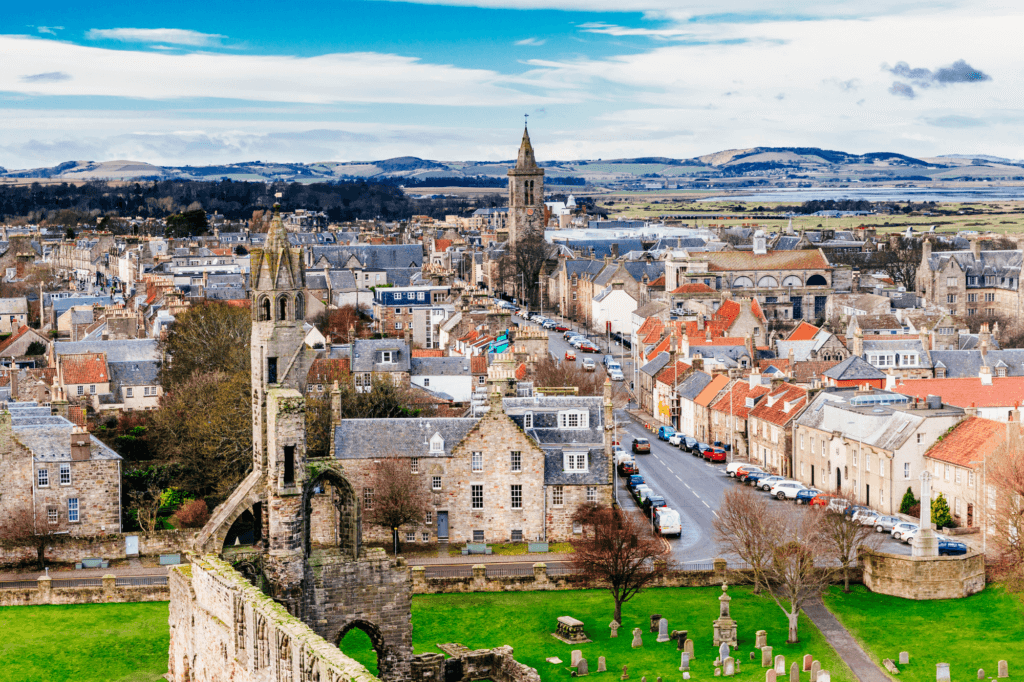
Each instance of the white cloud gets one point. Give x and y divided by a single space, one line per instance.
52 30
173 36
531 41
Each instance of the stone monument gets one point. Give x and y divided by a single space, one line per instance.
725 626
614 625
637 638
663 630
941 669
570 631
761 639
926 544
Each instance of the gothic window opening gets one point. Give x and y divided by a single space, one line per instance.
264 307
289 464
271 370
300 310
282 309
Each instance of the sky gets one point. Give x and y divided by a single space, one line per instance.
177 83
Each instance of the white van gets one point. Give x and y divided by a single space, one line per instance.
666 522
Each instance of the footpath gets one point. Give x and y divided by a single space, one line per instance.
845 645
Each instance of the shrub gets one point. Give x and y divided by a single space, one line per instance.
193 514
940 513
908 501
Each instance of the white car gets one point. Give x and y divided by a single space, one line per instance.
666 521
902 528
786 489
589 365
866 517
616 375
675 439
733 466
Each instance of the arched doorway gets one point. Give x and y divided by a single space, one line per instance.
331 513
247 529
363 641
839 480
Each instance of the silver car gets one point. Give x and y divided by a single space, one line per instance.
902 528
884 524
767 482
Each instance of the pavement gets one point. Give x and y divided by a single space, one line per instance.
845 645
64 573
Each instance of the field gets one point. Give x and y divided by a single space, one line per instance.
969 634
86 643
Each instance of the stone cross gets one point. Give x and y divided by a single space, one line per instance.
577 654
807 662
904 658
780 665
583 668
684 662
655 618
637 640
729 663
614 625
761 639
601 665
769 675
688 648
794 672
766 656
723 651
663 630
625 673
815 669
680 637
941 669
1004 669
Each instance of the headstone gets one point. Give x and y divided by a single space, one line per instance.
1004 670
684 662
655 619
824 676
688 648
761 639
554 659
942 672
614 625
890 666
981 673
583 668
643 678
815 669
723 651
729 663
766 656
904 658
663 630
753 654
686 675
680 637
601 665
724 626
769 675
659 678
577 654
637 640
625 673
794 672
718 672
808 659
780 665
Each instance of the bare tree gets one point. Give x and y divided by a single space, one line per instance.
845 539
399 496
791 573
745 526
556 373
20 527
1005 479
617 550
146 505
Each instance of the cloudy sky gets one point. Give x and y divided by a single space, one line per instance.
452 79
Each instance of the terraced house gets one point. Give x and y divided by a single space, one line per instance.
972 283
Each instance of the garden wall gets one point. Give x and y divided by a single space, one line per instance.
910 577
107 592
70 549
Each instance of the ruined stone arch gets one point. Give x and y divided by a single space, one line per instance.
346 502
386 658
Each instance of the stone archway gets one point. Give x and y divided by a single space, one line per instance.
346 505
385 656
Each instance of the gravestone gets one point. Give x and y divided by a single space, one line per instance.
808 659
680 637
780 665
554 659
769 675
570 631
637 640
684 662
718 672
904 658
1004 669
794 672
625 673
981 673
659 678
729 665
942 672
686 675
761 639
577 654
824 676
723 651
725 626
662 630
890 666
655 619
815 669
753 654
688 648
583 668
766 656
614 625
601 665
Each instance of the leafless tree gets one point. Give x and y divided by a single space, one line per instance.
146 505
526 258
1005 477
846 538
557 373
617 550
19 527
399 496
745 526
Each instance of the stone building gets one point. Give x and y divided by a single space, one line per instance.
729 414
525 194
770 424
972 283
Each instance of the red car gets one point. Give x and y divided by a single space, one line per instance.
714 455
821 500
561 328
588 347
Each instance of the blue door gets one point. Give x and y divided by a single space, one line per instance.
442 524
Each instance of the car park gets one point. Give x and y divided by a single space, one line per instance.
641 445
900 529
665 432
765 483
667 522
783 490
884 524
806 495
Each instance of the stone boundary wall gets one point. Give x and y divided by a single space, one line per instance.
224 628
108 593
941 577
497 665
70 549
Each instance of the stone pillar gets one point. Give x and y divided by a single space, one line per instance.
109 583
540 573
720 567
480 577
925 543
419 579
43 589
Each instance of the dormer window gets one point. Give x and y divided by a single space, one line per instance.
575 462
573 419
387 356
437 443
1000 372
528 420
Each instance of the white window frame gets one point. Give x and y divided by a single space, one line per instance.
592 493
436 443
74 510
527 420
65 474
42 478
128 392
52 516
410 536
576 462
425 536
516 461
557 496
516 494
574 419
906 471
435 482
414 465
478 461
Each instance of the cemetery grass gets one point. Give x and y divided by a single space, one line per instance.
84 642
970 633
525 621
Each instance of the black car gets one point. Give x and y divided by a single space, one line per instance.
653 501
951 547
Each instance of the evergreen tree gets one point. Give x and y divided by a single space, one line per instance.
940 512
908 501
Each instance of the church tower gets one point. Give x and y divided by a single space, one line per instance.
525 194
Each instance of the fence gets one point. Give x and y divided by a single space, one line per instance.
105 589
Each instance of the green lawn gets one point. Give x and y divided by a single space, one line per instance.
83 643
525 620
970 633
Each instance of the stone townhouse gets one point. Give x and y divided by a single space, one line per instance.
19 344
971 283
686 393
729 414
518 473
853 372
770 423
84 377
13 314
573 281
868 445
54 474
904 355
380 358
875 325
822 345
665 400
648 372
702 407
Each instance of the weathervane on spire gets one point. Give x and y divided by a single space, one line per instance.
526 119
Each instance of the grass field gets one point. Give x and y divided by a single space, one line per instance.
969 634
84 643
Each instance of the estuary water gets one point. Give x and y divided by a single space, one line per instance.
917 194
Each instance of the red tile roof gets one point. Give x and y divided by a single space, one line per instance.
805 332
666 376
86 368
660 282
724 261
969 441
724 341
778 363
442 244
327 371
478 364
804 372
734 402
776 413
649 325
694 288
427 353
719 382
1004 392
521 371
13 337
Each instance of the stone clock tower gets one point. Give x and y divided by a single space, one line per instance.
525 194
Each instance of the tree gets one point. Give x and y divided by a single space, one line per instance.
19 527
186 224
399 496
210 337
941 516
616 550
557 373
845 537
146 505
192 514
908 502
1005 522
743 527
528 256
338 323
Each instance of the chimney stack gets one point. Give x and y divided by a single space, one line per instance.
80 442
976 248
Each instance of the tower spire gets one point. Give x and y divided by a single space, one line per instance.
526 159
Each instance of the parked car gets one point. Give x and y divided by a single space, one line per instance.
633 481
641 445
786 489
561 328
822 500
765 483
689 444
754 476
653 501
854 508
865 517
666 522
570 355
548 324
616 375
745 470
676 439
884 524
588 347
614 366
698 450
576 341
607 360
665 432
628 467
640 492
949 547
731 469
569 334
589 365
902 528
806 495
907 538
715 455
838 505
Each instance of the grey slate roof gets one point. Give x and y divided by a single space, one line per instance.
132 374
967 363
603 247
581 267
597 468
62 305
545 411
997 263
652 269
692 385
49 437
880 343
375 438
366 353
656 364
445 366
128 350
853 368
374 256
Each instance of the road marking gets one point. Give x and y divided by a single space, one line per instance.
715 513
695 494
670 470
706 504
680 480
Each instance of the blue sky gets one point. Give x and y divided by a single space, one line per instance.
176 83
